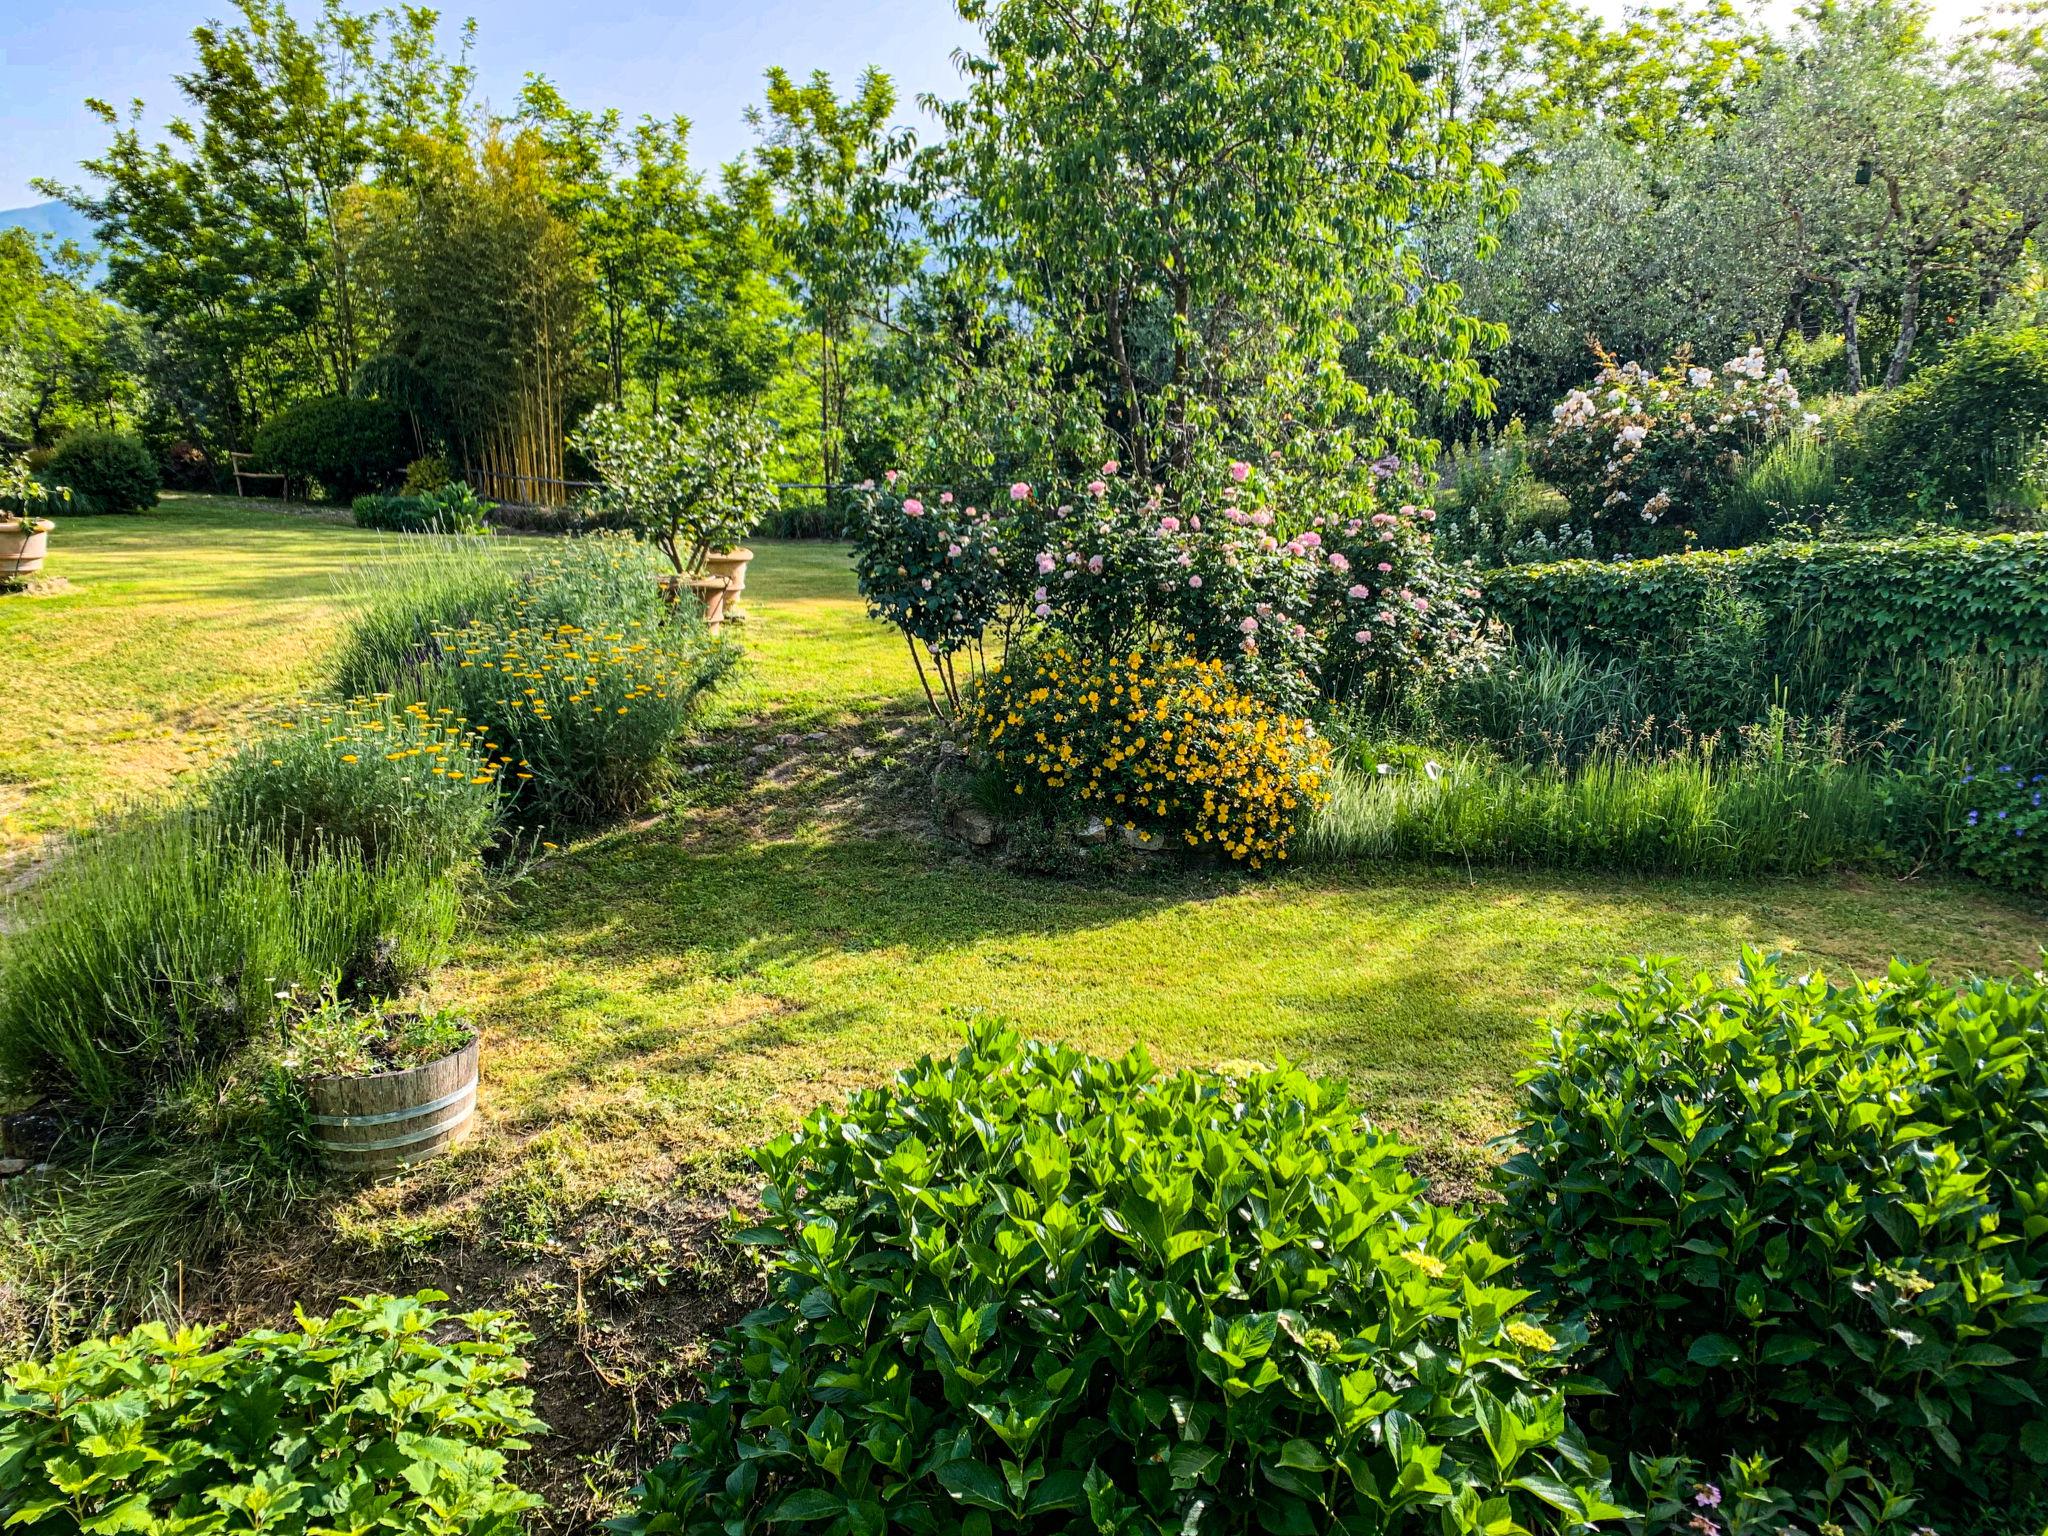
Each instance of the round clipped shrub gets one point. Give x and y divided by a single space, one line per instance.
1799 1214
107 472
1028 1290
1164 744
348 446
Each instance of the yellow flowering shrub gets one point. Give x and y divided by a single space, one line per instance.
588 714
1161 744
386 777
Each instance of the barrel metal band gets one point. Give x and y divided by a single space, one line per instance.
397 1114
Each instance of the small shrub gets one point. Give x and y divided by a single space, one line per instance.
425 476
1495 506
1800 1212
1026 1290
160 945
334 1038
108 472
2004 831
389 1416
1167 744
451 509
348 446
389 780
187 466
401 602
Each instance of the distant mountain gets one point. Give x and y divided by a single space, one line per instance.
60 220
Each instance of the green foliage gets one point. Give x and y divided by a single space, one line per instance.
425 476
401 602
693 482
452 508
1802 1212
1772 801
386 779
106 472
390 1416
1861 626
1947 445
160 945
1791 488
2004 831
1495 511
347 445
1029 1290
336 1038
1201 208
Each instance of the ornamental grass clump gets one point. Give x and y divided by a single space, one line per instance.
389 1417
160 946
1025 1290
1159 744
1797 1215
389 779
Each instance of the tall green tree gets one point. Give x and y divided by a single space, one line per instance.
1195 198
833 167
238 234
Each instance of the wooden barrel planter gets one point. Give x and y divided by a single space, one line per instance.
379 1124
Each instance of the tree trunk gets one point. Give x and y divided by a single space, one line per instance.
1909 325
1852 350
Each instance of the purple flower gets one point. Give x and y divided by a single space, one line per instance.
1707 1496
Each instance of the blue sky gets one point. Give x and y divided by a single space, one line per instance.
703 58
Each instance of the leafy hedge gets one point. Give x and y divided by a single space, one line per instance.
1803 1214
389 1418
1026 1290
1858 622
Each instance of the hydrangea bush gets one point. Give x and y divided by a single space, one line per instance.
1024 1290
1642 455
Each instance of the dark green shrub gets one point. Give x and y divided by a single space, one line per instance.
1864 625
107 472
389 1418
453 509
349 446
1947 443
1799 1213
389 780
158 947
1029 1291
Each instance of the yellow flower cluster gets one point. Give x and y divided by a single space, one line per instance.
373 730
1160 743
561 668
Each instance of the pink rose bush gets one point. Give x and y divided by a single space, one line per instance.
1645 456
1302 597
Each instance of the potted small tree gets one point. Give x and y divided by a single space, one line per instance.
694 482
24 535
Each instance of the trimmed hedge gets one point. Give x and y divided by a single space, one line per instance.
1861 623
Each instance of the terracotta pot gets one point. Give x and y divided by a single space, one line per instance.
23 543
732 565
380 1124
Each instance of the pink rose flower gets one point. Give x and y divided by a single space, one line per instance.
1194 581
1111 467
1338 563
1169 525
1361 590
1240 471
1098 487
946 499
1250 626
1020 491
1385 568
913 507
1363 637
